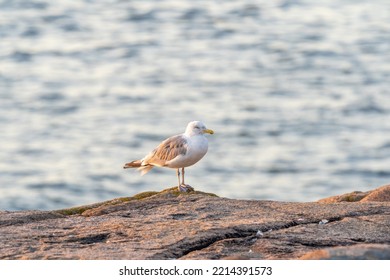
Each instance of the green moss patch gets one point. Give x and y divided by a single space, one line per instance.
78 210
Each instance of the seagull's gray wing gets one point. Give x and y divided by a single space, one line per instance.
167 150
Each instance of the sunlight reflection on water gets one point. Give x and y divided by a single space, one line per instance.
297 93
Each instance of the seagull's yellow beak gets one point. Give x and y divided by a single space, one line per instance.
208 131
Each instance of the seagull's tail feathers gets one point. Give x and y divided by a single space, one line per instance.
133 164
138 164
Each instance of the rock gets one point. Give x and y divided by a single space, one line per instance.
354 252
379 194
348 197
197 225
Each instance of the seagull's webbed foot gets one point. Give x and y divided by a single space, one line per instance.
185 188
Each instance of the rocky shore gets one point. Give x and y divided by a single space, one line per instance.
198 225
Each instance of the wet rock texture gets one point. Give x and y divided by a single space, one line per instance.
197 225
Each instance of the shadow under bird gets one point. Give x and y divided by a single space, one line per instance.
177 152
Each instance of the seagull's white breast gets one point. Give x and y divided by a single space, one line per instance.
197 146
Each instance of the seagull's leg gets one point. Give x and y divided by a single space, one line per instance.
178 177
183 187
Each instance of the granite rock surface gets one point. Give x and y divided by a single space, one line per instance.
197 225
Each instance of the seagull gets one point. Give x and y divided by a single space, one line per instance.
177 152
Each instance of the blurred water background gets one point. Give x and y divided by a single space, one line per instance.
296 91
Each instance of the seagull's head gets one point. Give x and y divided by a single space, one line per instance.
197 127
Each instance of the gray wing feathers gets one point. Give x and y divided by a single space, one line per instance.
167 150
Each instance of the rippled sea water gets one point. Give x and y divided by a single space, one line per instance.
296 91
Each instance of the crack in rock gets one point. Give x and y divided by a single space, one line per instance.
90 239
209 238
187 245
34 216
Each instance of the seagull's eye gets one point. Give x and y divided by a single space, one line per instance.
197 127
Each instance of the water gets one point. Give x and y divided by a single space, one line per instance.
296 91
